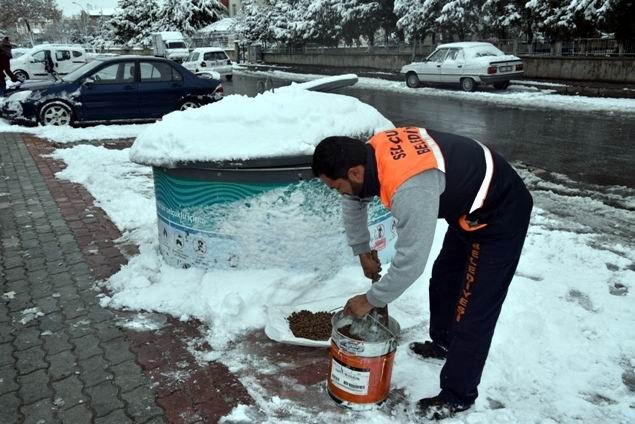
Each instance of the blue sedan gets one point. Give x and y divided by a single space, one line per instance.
125 88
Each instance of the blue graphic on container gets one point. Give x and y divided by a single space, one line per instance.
189 235
176 196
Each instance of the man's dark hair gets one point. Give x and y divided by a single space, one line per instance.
334 156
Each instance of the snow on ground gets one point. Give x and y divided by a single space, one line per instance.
71 135
517 95
563 350
539 83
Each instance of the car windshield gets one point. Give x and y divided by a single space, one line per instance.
176 45
79 72
483 51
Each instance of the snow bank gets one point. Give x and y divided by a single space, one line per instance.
564 343
287 122
67 134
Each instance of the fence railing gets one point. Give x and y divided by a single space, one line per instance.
578 47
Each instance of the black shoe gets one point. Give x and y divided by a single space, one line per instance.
429 349
435 408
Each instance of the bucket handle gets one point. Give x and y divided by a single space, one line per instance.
382 325
340 308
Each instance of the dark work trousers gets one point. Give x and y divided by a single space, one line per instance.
469 282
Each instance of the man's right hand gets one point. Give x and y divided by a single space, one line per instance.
371 265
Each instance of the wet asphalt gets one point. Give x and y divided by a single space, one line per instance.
586 147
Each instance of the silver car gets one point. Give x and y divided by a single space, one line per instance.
468 64
204 59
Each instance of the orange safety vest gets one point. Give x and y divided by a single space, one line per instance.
402 153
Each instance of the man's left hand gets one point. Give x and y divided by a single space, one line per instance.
357 306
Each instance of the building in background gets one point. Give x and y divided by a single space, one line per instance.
99 16
219 34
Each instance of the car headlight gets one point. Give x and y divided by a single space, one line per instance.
18 96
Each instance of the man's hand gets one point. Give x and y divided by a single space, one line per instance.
357 306
371 265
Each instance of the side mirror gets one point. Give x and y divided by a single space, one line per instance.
88 82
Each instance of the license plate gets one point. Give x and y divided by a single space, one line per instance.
505 68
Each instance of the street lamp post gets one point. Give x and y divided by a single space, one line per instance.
28 29
83 16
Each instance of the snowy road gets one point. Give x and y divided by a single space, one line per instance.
587 139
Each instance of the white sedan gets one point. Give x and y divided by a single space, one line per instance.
468 64
205 59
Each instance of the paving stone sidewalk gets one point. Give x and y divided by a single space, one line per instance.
63 358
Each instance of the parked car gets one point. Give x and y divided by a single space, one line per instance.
468 64
210 59
125 88
31 65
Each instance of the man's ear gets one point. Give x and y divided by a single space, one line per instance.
356 174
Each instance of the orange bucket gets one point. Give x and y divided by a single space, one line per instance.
360 371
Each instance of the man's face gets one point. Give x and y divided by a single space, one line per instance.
344 186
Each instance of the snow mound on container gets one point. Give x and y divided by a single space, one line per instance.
288 122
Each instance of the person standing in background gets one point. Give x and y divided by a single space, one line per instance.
5 64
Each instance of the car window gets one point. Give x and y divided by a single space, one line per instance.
176 45
176 75
82 70
107 75
454 55
155 72
117 73
215 56
77 53
193 57
128 74
39 56
61 55
438 55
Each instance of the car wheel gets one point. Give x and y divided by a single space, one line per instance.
229 77
21 75
501 85
468 84
56 113
412 80
189 104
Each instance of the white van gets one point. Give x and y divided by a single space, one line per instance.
31 64
169 44
209 59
